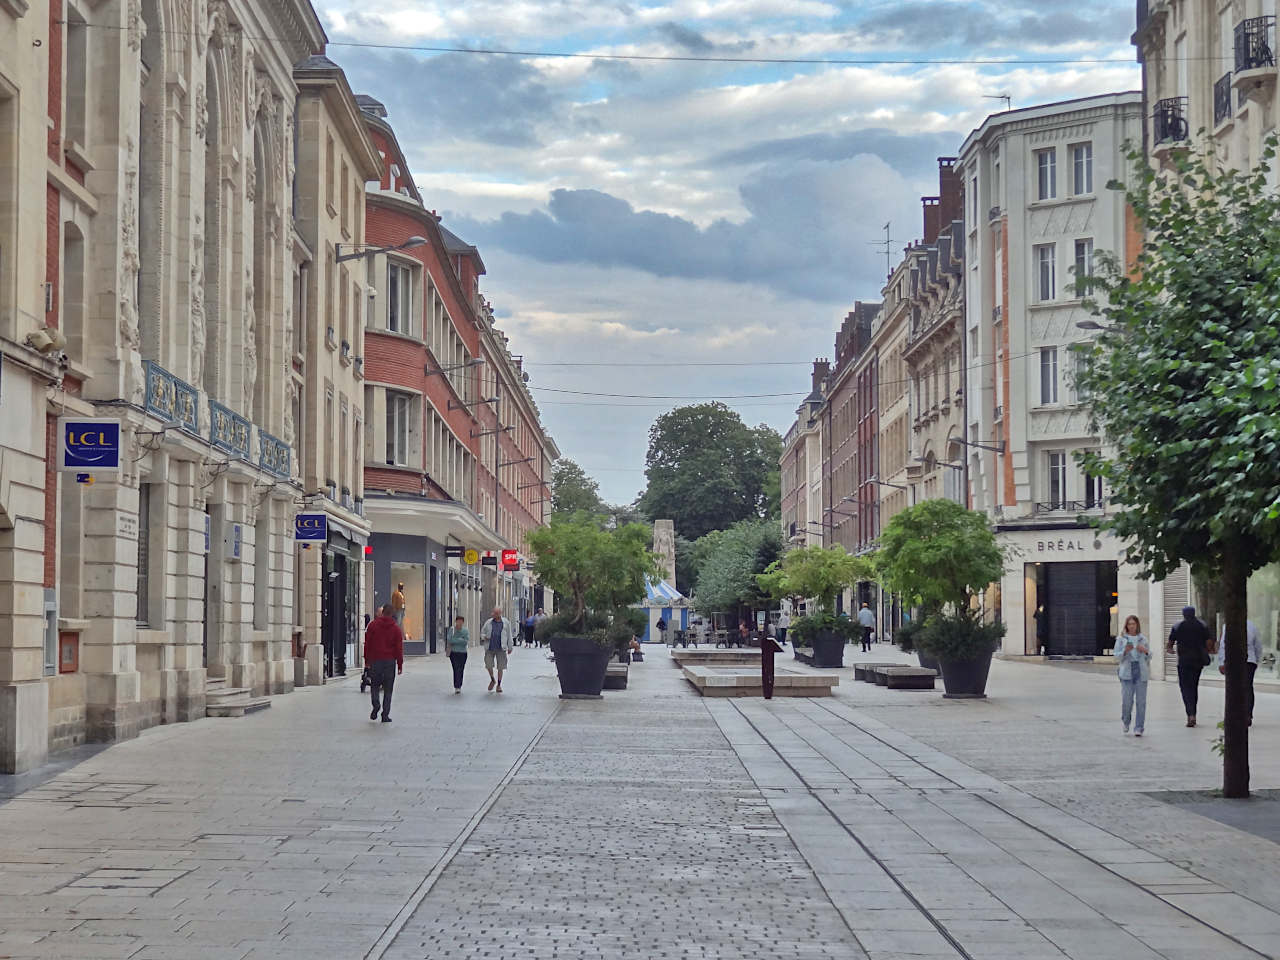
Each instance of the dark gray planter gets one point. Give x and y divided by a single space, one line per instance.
828 649
580 666
966 679
928 661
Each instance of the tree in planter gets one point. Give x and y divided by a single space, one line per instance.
1182 384
599 572
938 555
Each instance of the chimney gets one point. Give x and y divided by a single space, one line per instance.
932 219
950 192
821 368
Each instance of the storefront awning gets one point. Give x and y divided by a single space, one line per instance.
445 521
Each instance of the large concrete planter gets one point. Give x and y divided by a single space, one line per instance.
580 666
966 679
928 661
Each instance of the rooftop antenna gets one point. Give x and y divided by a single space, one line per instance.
1008 100
887 243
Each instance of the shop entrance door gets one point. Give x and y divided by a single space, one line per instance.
433 610
334 614
1074 607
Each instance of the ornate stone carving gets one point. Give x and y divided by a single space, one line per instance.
197 302
130 264
137 26
216 21
250 180
135 379
250 345
200 112
291 394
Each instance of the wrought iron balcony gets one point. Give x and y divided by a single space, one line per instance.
274 455
1067 506
1222 99
1254 46
1169 121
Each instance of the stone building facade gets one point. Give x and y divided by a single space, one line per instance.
333 277
1036 180
802 498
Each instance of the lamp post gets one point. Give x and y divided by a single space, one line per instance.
372 251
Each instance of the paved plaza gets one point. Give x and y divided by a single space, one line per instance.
654 824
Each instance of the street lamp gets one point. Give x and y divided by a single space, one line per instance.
1094 325
462 404
941 463
994 448
370 251
473 362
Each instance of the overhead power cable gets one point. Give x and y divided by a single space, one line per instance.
704 58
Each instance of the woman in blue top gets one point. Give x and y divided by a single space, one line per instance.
1133 655
459 638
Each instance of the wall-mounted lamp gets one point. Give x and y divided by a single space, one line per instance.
371 251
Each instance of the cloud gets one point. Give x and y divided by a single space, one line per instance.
910 153
689 39
807 232
934 23
491 99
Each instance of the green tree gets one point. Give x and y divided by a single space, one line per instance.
818 572
734 558
1183 386
707 470
572 491
937 554
598 571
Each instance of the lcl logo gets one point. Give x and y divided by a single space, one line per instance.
89 444
310 526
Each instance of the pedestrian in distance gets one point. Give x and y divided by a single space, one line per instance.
398 604
530 625
784 621
867 620
384 654
662 629
538 618
497 636
1133 659
744 634
1253 653
458 639
1193 641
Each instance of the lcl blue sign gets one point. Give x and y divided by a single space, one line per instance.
88 444
311 526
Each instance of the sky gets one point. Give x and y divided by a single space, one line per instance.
665 232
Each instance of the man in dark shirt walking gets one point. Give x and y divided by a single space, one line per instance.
1191 638
384 655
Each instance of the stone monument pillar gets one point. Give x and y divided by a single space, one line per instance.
664 545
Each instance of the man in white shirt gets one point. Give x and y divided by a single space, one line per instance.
1253 644
867 620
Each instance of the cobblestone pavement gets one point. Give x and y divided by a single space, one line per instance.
874 824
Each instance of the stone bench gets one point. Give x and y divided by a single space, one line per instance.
615 676
708 657
803 654
908 678
863 671
744 681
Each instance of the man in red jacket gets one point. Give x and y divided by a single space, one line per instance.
384 655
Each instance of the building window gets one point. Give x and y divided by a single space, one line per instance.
1048 374
329 175
1092 491
1046 174
1046 272
144 553
77 95
1084 264
1082 169
399 298
398 429
1077 372
1057 479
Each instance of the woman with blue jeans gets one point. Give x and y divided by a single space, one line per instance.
1133 655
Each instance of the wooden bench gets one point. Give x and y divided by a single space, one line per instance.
908 678
615 676
863 671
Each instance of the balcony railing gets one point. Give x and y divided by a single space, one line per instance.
1169 121
172 399
274 455
1254 46
1222 99
228 430
1067 506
